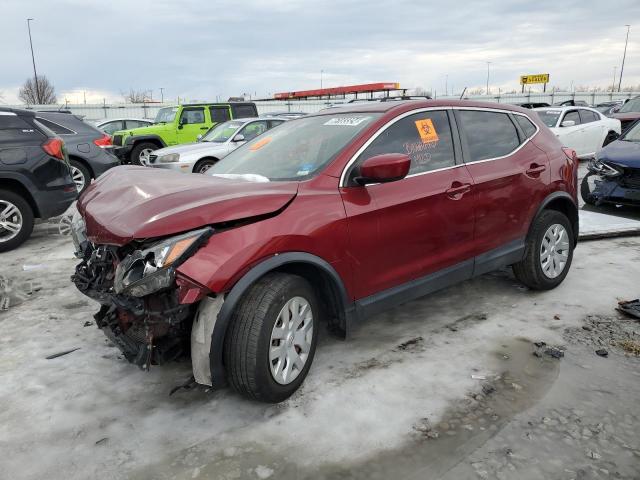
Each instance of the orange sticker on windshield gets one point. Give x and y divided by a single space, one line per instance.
426 130
260 143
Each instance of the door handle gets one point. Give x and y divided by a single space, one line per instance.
457 190
534 170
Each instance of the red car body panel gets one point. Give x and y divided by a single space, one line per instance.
128 203
375 237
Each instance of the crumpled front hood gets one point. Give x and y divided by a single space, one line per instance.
128 203
190 147
626 154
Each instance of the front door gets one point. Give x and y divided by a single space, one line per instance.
403 230
191 123
573 136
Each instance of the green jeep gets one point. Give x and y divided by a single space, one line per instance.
176 125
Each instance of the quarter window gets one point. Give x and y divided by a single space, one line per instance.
219 114
191 116
55 128
488 134
425 137
526 125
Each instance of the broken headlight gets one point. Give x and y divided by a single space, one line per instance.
78 234
153 268
603 168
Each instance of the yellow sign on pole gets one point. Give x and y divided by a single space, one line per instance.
537 78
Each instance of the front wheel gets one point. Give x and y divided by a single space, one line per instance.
548 252
203 165
586 188
141 152
272 338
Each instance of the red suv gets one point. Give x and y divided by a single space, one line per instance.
329 218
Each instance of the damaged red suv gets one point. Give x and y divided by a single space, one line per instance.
328 219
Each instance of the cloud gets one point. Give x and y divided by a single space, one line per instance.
201 50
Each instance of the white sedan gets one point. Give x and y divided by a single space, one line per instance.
584 129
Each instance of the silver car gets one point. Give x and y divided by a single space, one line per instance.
216 144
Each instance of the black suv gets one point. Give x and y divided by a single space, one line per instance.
87 147
35 178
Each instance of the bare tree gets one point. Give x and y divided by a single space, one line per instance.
37 93
137 96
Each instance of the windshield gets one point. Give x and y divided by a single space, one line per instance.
222 132
549 117
296 150
632 105
166 115
633 134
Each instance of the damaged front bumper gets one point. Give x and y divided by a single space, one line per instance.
147 308
615 184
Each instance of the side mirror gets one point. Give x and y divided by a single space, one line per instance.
388 167
199 137
568 123
238 138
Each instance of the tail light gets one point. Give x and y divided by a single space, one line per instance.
54 148
570 153
104 141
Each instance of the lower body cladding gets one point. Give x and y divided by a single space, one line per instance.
155 328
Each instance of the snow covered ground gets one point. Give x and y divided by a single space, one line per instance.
431 389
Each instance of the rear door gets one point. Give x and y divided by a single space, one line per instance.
403 230
509 175
192 123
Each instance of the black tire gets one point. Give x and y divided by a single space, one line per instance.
27 220
585 190
246 349
611 137
82 169
203 165
134 158
529 270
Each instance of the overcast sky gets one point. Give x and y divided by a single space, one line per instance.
202 49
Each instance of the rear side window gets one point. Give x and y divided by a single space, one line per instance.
488 134
425 137
55 128
587 116
219 114
244 111
113 127
526 125
136 124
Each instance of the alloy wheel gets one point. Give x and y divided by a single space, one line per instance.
10 221
554 251
144 156
291 340
78 178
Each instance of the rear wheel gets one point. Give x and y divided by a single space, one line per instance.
611 137
548 252
80 174
203 165
140 153
272 338
16 220
586 188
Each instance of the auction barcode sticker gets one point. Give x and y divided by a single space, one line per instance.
346 121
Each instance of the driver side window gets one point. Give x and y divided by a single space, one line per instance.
254 129
191 116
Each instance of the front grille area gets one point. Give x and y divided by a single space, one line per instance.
117 140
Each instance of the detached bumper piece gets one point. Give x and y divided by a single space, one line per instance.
616 191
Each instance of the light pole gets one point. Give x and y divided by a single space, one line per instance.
446 85
321 72
161 94
488 63
624 55
613 85
33 60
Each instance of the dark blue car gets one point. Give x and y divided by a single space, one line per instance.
614 175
